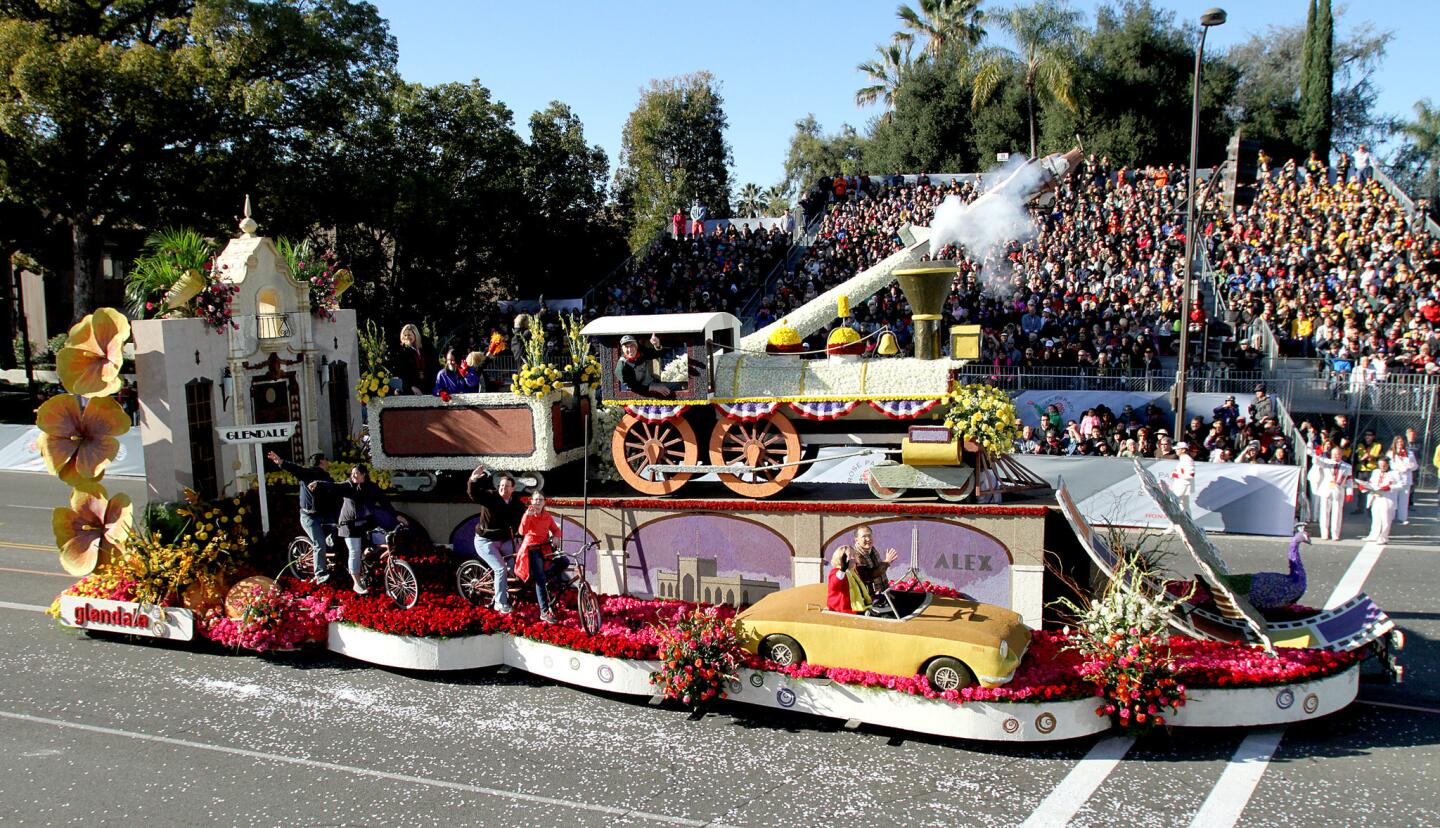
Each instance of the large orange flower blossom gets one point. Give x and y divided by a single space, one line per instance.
79 443
89 364
93 524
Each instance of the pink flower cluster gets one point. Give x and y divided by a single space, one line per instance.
285 622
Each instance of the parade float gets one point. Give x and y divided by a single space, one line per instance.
1017 620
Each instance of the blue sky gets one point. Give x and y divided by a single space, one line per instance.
775 61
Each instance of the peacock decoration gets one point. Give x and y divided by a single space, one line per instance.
1274 590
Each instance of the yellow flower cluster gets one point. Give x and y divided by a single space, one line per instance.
372 384
536 380
102 583
589 375
985 415
212 546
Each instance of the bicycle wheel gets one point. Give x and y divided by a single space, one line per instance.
302 558
401 584
588 604
475 583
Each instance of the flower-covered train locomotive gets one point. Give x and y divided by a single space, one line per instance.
755 410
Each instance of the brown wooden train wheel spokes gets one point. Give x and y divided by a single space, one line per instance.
768 441
638 444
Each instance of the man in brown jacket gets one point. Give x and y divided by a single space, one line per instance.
868 562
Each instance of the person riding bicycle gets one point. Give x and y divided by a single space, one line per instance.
361 503
316 508
500 514
537 527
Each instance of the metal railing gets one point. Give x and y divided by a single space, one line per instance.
1016 378
270 326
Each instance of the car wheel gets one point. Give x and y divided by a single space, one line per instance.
782 649
946 673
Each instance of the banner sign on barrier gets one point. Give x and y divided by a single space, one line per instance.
149 620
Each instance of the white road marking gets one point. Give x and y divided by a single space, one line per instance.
37 572
1411 707
376 774
1227 800
25 607
23 506
1080 784
1354 577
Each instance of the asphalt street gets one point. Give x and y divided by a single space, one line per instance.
102 732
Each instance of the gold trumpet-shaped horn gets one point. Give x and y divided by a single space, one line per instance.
187 287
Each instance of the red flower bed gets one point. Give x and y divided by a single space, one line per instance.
1050 672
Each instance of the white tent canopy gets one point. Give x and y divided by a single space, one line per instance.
664 324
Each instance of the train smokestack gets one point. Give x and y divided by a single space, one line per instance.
926 284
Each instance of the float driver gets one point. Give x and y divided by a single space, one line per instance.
633 368
870 566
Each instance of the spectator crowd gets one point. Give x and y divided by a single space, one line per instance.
1232 434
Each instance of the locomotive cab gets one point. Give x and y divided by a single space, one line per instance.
692 337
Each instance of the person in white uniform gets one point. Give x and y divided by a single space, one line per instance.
1405 465
1182 478
1382 486
1334 486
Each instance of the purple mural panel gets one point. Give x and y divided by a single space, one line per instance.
944 552
573 539
712 558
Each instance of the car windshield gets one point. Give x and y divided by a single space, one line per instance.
907 603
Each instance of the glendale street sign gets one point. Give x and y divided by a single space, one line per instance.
260 433
257 436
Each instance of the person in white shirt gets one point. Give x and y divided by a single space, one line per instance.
1404 464
1333 486
1364 163
1382 488
1182 479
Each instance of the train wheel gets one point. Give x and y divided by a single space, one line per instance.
637 444
882 492
960 494
761 443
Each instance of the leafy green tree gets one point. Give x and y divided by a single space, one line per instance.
434 205
1133 83
813 154
1266 105
1045 32
117 113
931 130
885 75
942 24
1317 80
1419 157
673 152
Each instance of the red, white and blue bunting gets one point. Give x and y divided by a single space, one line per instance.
824 410
903 409
655 413
747 412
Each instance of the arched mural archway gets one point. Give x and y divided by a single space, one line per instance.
944 552
693 555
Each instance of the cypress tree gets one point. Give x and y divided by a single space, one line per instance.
1317 80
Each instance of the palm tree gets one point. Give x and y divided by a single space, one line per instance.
777 200
942 23
750 201
169 254
1424 135
887 73
1045 33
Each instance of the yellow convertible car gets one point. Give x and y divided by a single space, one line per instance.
953 641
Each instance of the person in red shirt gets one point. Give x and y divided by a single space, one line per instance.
537 528
845 591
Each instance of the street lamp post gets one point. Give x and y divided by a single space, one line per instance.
1210 17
